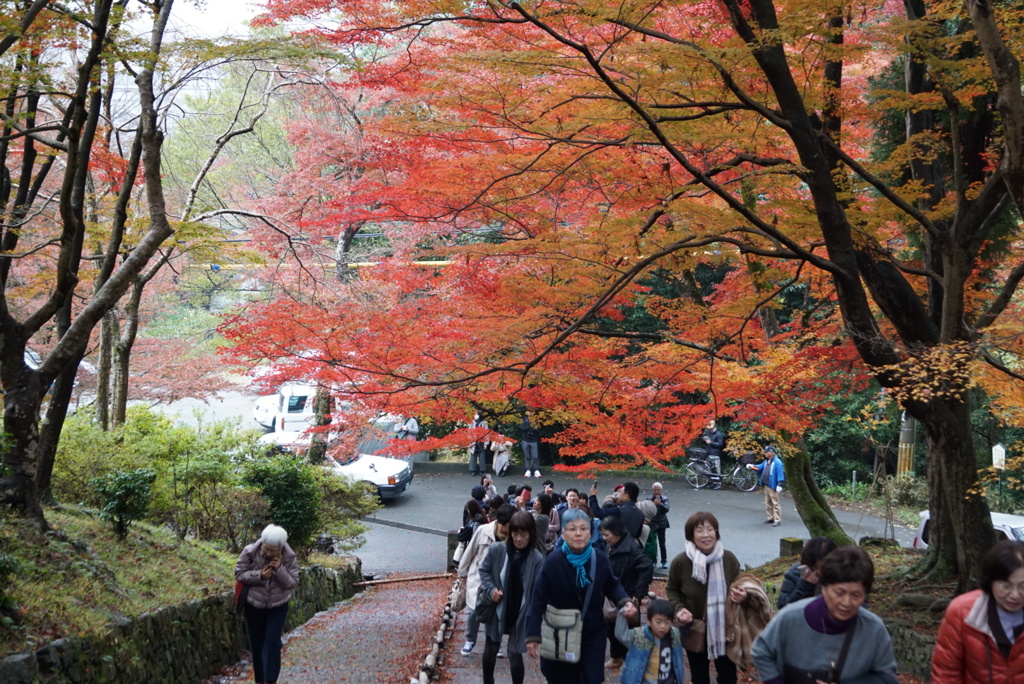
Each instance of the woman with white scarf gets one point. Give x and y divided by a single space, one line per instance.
698 587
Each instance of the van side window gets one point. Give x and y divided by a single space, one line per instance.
924 532
296 404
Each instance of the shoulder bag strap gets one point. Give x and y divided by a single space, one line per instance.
593 580
838 670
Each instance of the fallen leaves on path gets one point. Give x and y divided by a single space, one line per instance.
381 635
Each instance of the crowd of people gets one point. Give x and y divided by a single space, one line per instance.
567 579
595 560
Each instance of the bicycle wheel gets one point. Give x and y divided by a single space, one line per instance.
744 479
696 475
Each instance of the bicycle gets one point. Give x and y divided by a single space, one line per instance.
699 473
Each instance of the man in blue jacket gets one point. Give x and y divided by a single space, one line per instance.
772 477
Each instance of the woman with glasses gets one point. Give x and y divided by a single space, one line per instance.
980 637
575 576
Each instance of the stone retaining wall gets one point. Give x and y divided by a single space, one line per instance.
184 643
913 649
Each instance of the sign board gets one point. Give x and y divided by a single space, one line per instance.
999 457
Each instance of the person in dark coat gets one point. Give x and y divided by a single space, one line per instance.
564 578
508 574
698 586
631 516
715 440
635 571
531 446
801 580
659 523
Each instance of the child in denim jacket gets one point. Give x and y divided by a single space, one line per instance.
655 650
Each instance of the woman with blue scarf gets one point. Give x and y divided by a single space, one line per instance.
568 572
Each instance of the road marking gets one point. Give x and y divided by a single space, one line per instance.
406 526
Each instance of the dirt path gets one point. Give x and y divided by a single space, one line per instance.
380 635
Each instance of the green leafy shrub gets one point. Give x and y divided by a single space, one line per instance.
290 485
9 568
343 505
125 496
86 452
846 490
905 490
232 514
213 482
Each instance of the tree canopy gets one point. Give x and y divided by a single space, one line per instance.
564 157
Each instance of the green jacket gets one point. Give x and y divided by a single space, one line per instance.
685 592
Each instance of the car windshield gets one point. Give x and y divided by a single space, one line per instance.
346 459
1018 533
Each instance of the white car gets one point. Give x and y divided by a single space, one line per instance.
391 476
1006 526
290 409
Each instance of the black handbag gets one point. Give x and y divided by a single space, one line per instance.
798 675
485 607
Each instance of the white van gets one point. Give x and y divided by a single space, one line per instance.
1006 526
290 409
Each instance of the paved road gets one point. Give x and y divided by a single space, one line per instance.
223 405
409 534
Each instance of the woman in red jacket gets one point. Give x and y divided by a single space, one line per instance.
980 639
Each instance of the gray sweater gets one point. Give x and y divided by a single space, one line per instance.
788 639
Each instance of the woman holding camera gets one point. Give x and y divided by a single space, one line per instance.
269 569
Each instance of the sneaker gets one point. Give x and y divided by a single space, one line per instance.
613 664
776 523
536 473
468 648
769 521
527 474
664 564
501 653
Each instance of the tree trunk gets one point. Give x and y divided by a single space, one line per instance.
123 354
24 387
49 435
23 397
814 510
955 516
321 419
108 334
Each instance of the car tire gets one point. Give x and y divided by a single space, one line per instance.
376 489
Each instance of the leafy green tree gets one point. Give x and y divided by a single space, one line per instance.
290 485
125 496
